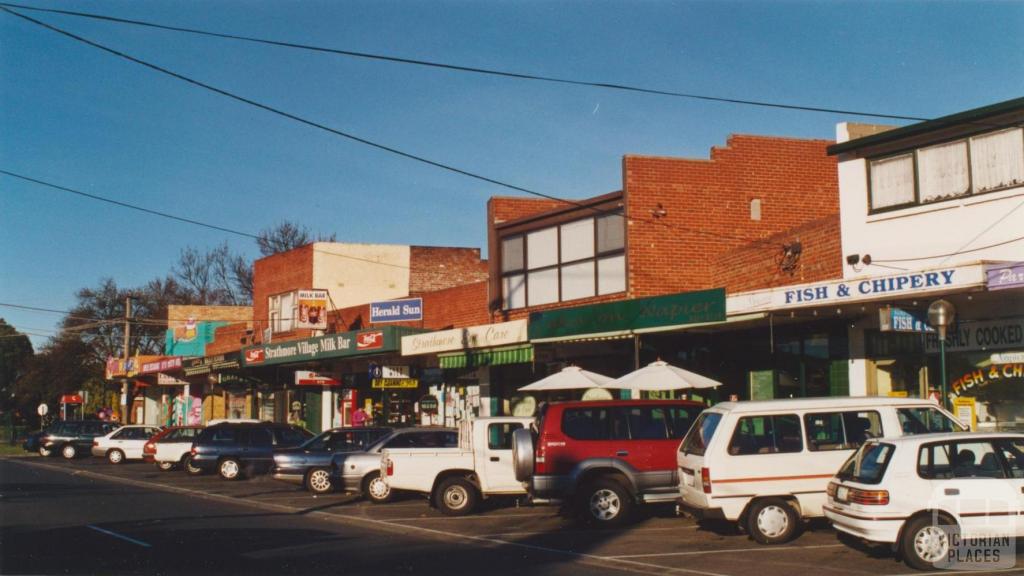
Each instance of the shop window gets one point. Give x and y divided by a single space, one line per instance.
997 160
892 182
283 311
766 435
570 261
841 430
942 171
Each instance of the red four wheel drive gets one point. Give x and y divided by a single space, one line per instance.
604 456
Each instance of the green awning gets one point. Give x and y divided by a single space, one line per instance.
491 357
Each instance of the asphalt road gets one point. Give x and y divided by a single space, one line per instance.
89 517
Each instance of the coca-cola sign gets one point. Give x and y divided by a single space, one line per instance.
370 340
255 355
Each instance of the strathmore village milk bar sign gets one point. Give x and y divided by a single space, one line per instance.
384 339
483 336
859 289
625 315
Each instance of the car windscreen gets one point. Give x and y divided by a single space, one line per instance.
868 464
700 434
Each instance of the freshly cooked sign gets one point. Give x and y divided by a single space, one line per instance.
407 310
670 310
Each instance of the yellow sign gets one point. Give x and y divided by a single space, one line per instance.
966 411
898 393
395 383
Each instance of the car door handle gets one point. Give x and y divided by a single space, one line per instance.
622 453
952 491
495 459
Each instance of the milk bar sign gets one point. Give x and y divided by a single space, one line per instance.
407 310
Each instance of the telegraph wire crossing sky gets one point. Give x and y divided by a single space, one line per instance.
94 123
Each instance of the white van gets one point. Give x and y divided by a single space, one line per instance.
767 464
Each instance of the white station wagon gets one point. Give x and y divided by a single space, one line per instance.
940 500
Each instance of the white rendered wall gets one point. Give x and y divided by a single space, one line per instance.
356 274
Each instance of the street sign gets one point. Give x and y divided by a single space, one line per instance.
43 409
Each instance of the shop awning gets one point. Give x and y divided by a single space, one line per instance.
491 357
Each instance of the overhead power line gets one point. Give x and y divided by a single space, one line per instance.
370 143
461 68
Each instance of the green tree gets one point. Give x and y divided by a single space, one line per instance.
15 355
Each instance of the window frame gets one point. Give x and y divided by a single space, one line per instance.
596 257
914 154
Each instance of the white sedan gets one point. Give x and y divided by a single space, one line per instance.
941 500
125 443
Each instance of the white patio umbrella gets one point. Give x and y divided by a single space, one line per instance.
568 378
661 376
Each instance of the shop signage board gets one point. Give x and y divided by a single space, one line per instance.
207 364
407 310
482 336
669 310
986 335
310 378
392 383
837 292
354 343
428 404
161 365
1003 277
898 320
168 380
312 307
981 377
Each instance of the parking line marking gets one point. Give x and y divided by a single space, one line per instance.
413 518
390 526
760 549
601 531
121 536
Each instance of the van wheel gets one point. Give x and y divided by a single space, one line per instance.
318 481
230 469
772 521
375 489
190 468
456 497
925 543
605 502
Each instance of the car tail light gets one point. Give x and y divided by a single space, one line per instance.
832 489
705 479
869 497
149 448
193 451
390 468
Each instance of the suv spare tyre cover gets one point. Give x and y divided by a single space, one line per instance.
522 453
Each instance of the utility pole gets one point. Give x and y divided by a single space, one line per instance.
127 355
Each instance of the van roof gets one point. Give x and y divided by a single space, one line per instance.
819 403
606 403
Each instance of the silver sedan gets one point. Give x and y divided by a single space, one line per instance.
360 471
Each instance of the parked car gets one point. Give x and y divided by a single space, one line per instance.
312 464
72 437
237 450
124 443
766 464
604 456
360 471
171 447
457 479
924 495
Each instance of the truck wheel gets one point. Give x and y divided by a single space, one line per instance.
457 496
375 489
318 481
605 502
69 451
772 521
925 543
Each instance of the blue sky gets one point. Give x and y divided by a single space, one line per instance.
78 117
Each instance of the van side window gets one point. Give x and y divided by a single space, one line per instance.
925 420
841 430
766 435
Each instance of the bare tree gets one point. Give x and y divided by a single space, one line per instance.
216 277
287 236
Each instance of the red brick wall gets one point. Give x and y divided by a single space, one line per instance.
292 270
707 205
228 338
756 266
455 307
436 268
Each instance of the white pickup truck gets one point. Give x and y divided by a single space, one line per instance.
456 479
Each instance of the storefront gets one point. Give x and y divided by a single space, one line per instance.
360 370
472 371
